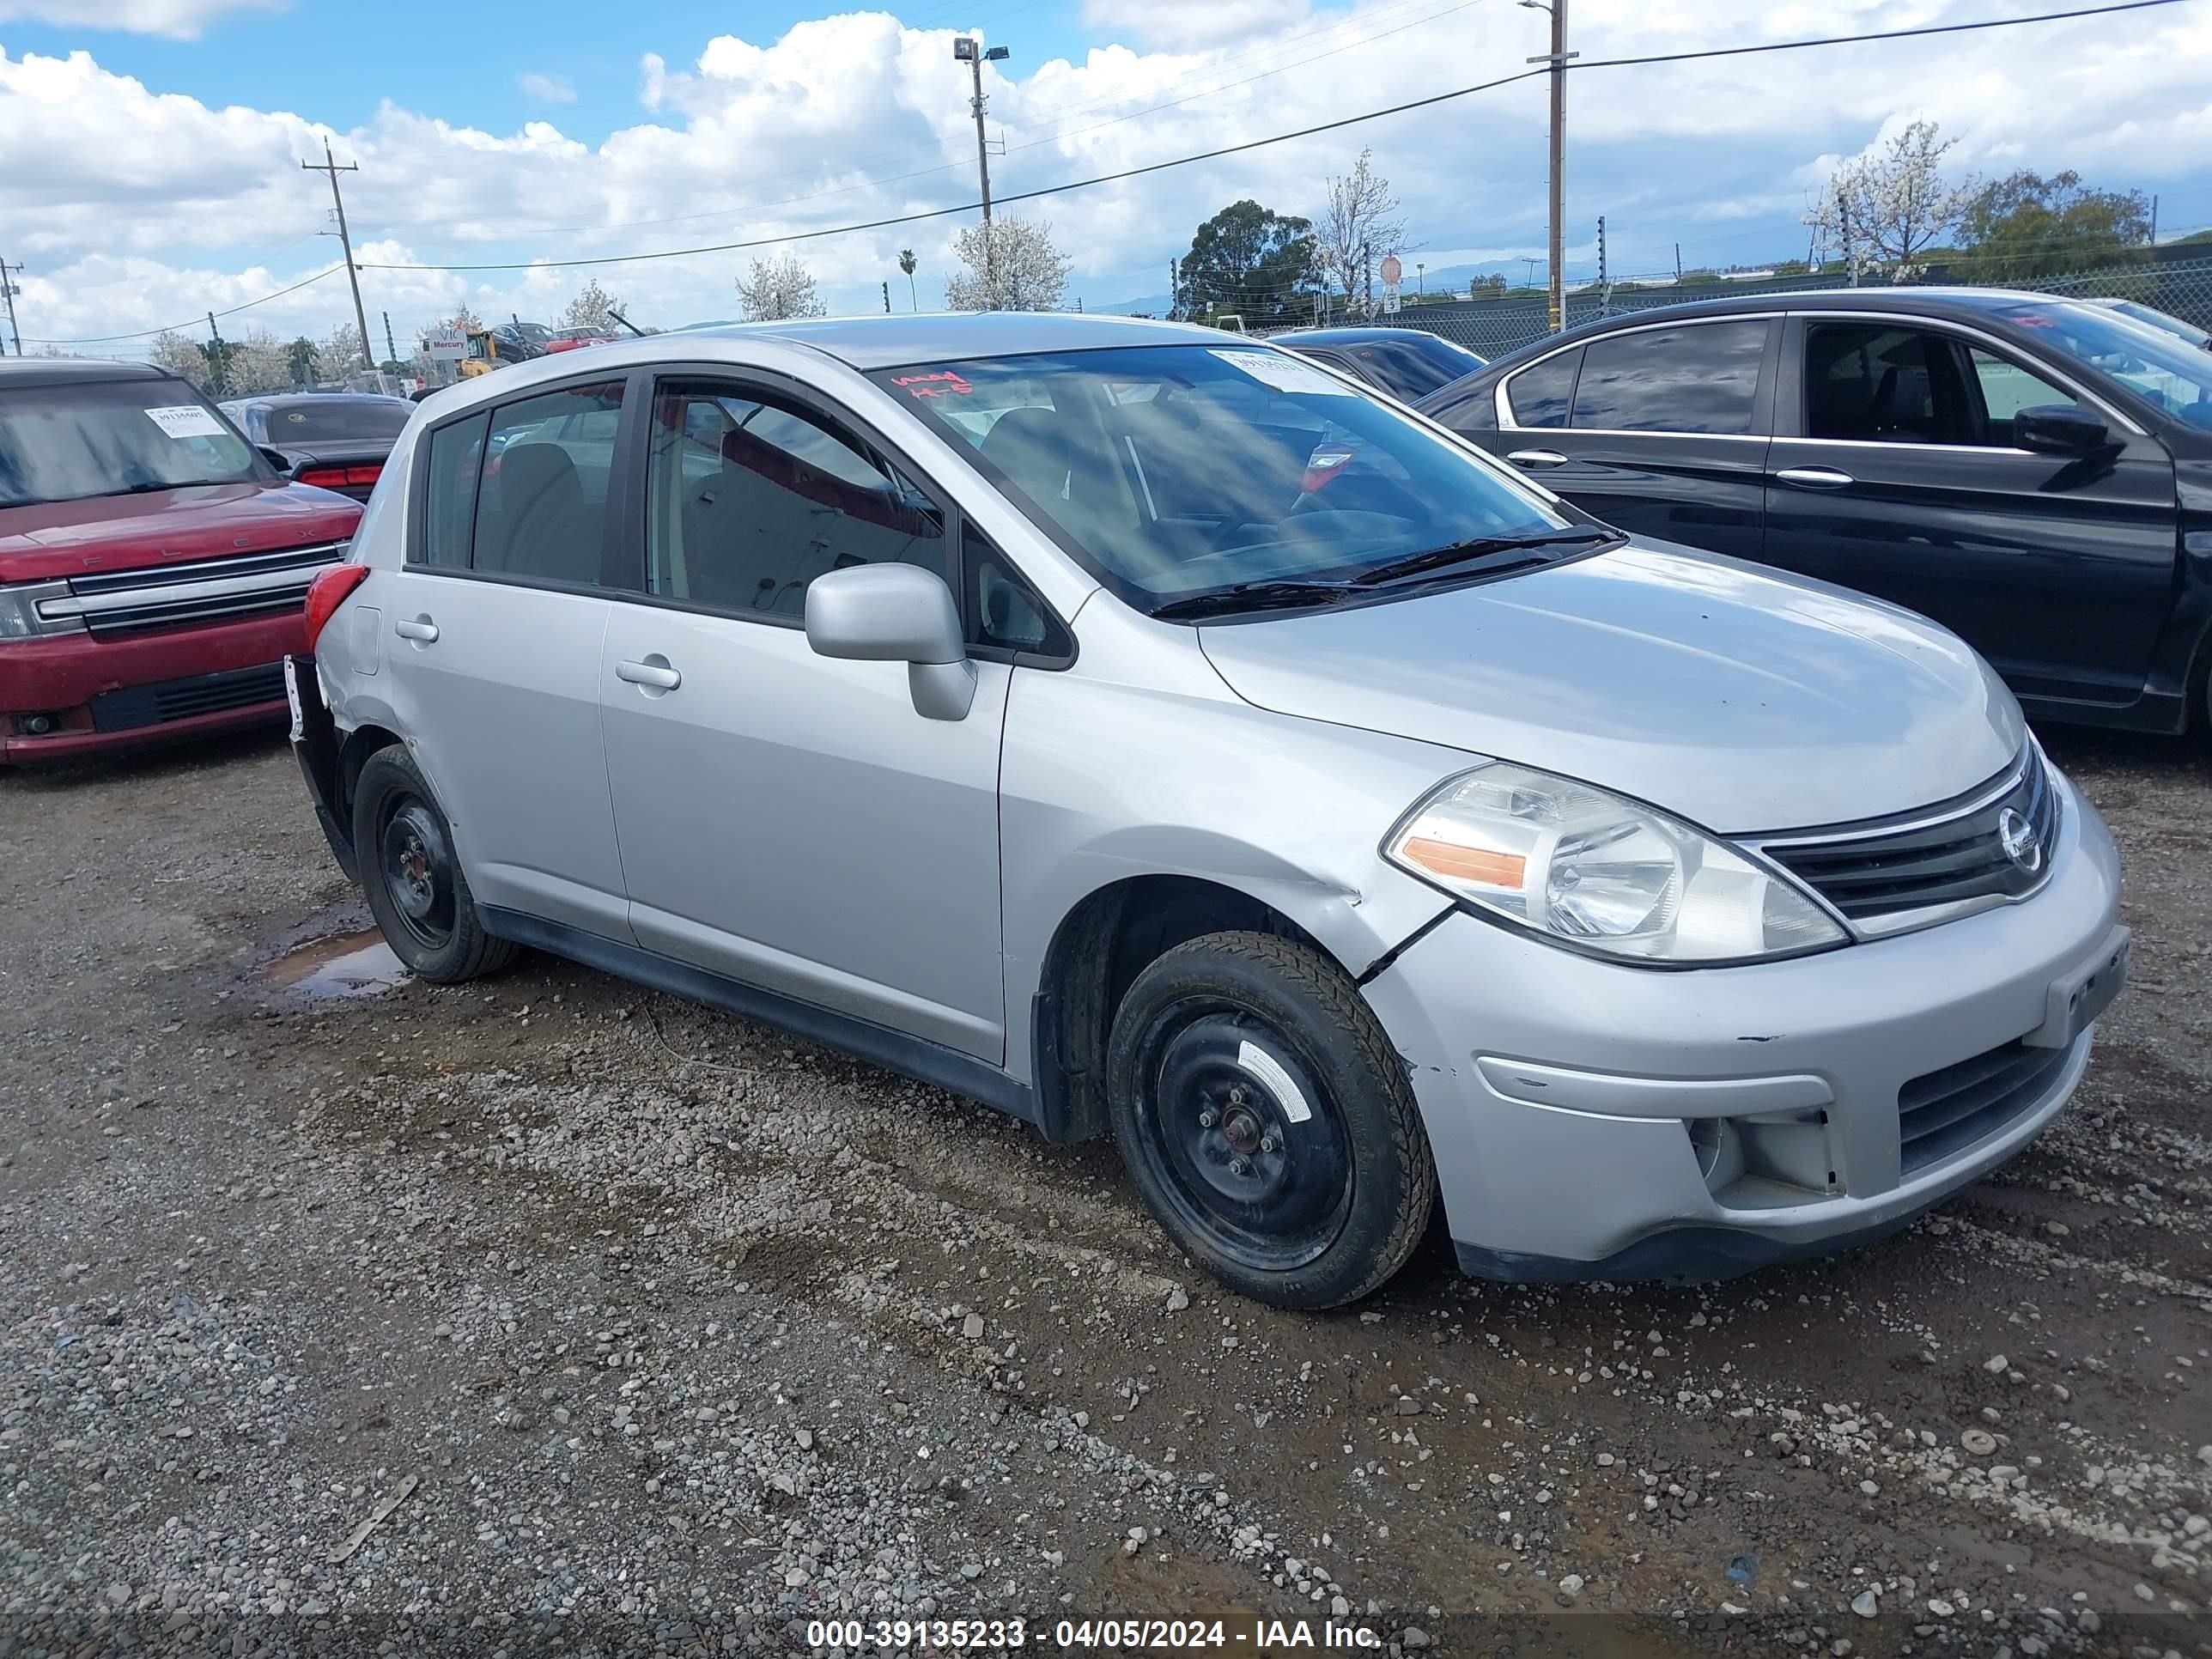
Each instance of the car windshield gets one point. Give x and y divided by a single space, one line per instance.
1412 368
2163 368
1176 472
64 443
334 420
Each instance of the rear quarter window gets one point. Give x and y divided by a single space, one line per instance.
1541 394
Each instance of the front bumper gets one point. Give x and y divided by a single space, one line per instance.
199 680
1557 1091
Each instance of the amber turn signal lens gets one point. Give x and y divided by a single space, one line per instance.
1446 857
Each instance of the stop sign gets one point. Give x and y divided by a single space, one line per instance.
1392 270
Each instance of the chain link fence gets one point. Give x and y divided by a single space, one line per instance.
1491 328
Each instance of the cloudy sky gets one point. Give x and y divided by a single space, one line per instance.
151 150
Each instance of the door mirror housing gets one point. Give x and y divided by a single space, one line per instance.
276 459
2057 429
895 613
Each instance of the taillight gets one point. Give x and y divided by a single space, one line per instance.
327 593
330 478
1327 461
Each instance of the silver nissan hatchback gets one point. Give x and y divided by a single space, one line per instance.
1152 732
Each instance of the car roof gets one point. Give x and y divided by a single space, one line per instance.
1348 336
1964 305
21 373
889 341
280 399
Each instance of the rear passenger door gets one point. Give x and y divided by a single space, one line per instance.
1895 472
786 819
493 638
1660 430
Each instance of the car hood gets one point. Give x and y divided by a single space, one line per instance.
1739 698
165 526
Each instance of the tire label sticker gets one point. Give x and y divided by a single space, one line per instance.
1269 1070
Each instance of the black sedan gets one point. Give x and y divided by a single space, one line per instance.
1405 363
2034 473
338 440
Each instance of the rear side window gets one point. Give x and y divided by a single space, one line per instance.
1702 377
452 457
1875 383
1539 396
541 502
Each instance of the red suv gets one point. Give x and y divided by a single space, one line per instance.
152 564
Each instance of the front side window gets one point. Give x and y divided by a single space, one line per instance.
1540 395
70 442
541 501
2006 388
750 499
1189 472
1700 377
1877 383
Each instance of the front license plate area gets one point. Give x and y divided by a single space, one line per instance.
2075 1000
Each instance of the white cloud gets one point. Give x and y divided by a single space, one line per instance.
547 89
182 20
136 207
1188 25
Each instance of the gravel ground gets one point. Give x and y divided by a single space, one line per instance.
337 1312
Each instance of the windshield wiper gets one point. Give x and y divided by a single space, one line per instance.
1440 558
1254 596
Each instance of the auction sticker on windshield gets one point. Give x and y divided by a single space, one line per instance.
1286 373
185 421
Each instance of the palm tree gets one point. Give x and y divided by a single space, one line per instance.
906 264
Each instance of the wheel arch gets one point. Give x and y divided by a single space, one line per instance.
1102 944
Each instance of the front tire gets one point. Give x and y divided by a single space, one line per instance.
416 890
1267 1123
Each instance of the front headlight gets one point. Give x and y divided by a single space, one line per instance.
19 610
1582 865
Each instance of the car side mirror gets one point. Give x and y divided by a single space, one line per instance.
278 459
895 613
2057 429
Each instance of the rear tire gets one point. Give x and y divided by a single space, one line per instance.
416 890
1267 1123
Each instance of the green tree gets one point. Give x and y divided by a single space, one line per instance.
1249 260
300 359
592 307
1700 278
2025 225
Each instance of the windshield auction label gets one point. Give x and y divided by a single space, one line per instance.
1284 372
185 421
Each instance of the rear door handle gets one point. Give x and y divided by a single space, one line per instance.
416 628
1537 458
654 671
1814 478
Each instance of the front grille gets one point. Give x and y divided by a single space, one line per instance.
206 590
160 702
1945 1112
1949 859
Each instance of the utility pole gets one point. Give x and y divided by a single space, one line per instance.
1421 279
2154 242
969 50
328 164
391 347
1850 247
219 370
1678 264
7 275
1557 57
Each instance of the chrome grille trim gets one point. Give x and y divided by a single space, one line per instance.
205 589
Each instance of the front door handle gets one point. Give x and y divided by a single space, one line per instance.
419 628
1814 478
653 673
1537 458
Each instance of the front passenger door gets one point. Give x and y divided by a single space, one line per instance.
786 819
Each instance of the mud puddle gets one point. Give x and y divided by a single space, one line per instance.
337 966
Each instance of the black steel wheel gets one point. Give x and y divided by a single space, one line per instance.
1258 1108
416 889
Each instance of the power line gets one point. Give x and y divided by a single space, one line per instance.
1285 137
194 322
